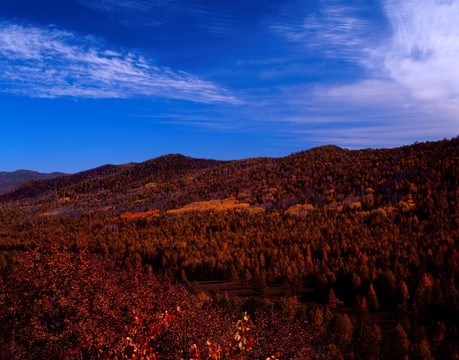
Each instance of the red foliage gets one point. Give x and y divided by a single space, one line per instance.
65 305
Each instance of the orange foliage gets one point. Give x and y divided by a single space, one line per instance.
130 215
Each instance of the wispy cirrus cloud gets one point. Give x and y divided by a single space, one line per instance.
380 113
47 62
368 113
134 10
205 15
119 6
336 29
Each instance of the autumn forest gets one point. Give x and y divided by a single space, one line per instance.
323 254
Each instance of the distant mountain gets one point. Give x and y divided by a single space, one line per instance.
12 179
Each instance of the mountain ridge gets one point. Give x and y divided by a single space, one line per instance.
323 176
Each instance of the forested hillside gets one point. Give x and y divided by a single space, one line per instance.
333 253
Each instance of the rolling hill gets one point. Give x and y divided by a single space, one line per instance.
323 177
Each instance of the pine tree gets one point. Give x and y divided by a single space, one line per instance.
333 301
233 273
404 296
364 305
247 277
372 298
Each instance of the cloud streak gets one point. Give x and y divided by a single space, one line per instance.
134 10
337 30
368 113
202 14
49 63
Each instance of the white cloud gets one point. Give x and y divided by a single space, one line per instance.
423 53
377 102
366 94
46 62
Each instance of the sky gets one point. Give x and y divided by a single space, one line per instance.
89 82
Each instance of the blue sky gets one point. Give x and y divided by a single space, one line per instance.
89 82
